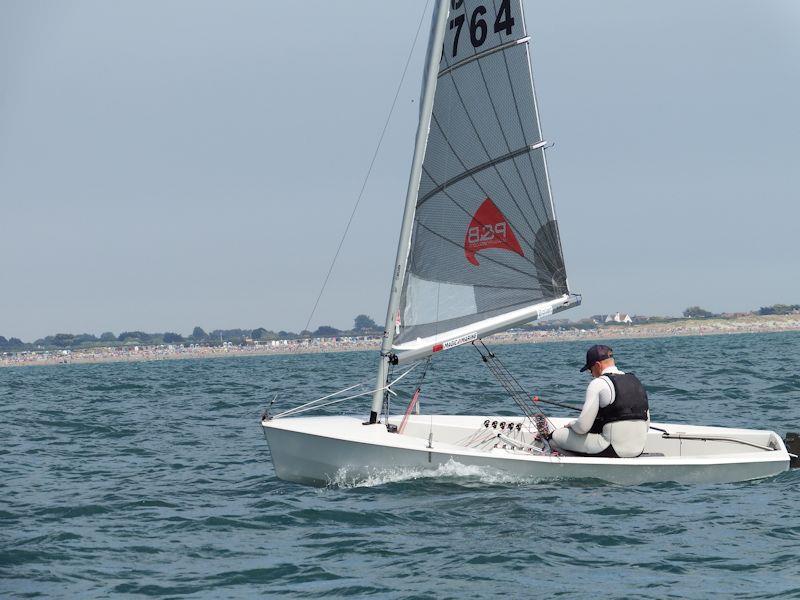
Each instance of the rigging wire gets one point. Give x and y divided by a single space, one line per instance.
371 164
326 400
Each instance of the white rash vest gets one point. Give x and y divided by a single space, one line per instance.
599 394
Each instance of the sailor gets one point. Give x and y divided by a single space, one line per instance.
615 417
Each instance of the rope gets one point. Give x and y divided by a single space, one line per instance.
517 443
414 398
369 170
559 404
515 390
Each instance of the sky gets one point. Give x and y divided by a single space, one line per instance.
171 164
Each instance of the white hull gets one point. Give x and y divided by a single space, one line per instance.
321 450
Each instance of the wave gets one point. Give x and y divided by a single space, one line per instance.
347 478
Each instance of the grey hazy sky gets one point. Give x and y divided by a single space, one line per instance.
168 164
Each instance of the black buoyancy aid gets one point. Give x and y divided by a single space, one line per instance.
630 402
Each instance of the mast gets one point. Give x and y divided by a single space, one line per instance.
433 60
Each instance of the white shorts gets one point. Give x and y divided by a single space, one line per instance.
586 443
627 437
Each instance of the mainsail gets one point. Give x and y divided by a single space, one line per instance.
485 252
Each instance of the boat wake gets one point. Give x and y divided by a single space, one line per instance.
346 478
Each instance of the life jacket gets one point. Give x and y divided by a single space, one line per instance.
630 402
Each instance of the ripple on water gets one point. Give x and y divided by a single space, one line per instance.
153 479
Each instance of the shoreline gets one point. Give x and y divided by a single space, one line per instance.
682 328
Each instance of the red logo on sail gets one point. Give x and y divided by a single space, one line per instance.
489 229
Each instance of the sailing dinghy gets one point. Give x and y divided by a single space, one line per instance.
480 252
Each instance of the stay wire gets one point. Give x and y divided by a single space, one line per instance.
371 164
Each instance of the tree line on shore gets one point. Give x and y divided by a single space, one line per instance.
695 312
362 325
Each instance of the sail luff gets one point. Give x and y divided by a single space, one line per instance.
436 41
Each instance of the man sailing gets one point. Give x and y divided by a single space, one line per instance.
615 417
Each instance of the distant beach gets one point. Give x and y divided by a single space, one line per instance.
684 327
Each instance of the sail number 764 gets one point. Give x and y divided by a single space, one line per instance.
478 28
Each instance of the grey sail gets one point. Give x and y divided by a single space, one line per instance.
485 250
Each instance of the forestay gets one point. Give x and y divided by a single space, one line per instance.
485 251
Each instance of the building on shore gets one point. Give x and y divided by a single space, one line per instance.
619 318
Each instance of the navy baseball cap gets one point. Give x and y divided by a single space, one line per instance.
595 354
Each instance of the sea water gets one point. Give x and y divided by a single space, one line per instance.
154 479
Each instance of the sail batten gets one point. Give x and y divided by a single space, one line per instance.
486 165
480 55
485 250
